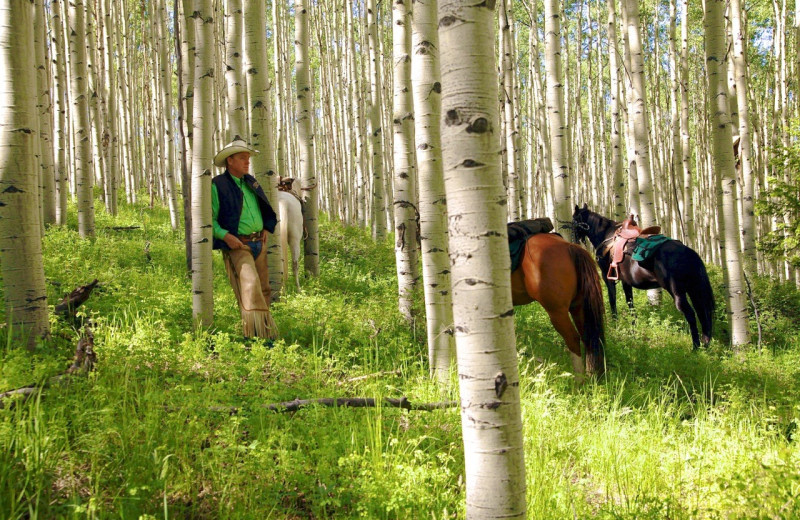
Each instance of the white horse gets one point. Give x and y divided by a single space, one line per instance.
291 216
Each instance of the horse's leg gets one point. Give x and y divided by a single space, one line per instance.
628 290
572 338
682 303
577 321
611 286
295 260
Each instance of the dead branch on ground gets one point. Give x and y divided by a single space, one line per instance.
83 363
74 299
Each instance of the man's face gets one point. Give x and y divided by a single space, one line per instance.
239 164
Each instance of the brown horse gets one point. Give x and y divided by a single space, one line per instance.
563 278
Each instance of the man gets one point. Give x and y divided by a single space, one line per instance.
242 218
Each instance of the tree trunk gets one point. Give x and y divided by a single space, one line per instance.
44 105
559 132
745 146
724 169
82 134
617 172
376 137
686 153
61 82
202 159
20 227
263 164
427 88
305 138
234 73
405 177
482 308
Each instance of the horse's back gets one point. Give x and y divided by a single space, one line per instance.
679 261
548 269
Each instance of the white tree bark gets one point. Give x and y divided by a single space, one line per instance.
262 165
20 227
617 172
405 175
44 105
686 153
745 145
305 138
202 161
724 169
427 89
234 74
557 121
637 110
376 126
482 308
61 87
80 109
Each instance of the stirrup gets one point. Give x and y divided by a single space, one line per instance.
613 269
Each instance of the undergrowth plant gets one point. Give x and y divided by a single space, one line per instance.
173 423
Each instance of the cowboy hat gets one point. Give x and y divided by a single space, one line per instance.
235 146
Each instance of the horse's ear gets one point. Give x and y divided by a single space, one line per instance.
585 206
576 207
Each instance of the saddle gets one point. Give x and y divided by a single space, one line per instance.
624 240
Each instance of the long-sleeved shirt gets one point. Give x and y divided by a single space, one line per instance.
249 222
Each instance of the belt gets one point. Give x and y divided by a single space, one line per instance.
252 237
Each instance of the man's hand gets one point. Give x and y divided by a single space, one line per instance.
264 234
234 243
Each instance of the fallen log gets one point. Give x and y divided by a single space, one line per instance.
74 299
342 402
358 402
83 362
125 228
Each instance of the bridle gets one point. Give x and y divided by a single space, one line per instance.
573 227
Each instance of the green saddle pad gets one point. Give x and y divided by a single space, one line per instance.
645 247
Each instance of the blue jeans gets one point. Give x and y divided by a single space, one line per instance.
255 247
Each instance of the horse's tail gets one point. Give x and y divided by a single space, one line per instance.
702 296
593 309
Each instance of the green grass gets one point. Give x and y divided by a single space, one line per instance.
170 425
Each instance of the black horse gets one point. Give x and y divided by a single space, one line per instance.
673 266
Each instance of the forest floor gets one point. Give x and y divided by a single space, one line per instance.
171 423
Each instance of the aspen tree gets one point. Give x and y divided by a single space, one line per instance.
405 177
305 138
376 126
724 170
280 119
637 110
482 308
745 146
509 108
179 29
61 84
676 171
558 130
686 154
112 143
427 89
20 228
165 118
262 165
618 179
234 73
45 109
97 119
202 160
80 109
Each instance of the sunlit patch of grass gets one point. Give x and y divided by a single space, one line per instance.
173 423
